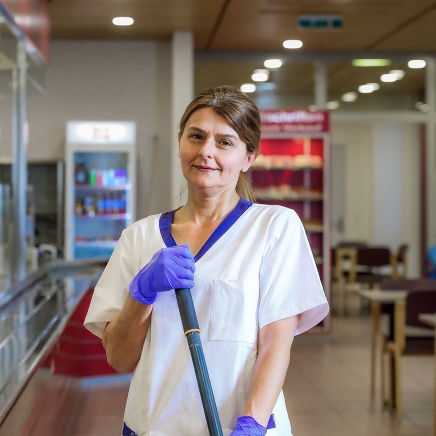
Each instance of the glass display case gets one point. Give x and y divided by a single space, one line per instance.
100 177
47 178
294 171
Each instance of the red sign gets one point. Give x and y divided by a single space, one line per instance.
294 121
31 16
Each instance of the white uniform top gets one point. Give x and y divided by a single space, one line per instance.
256 268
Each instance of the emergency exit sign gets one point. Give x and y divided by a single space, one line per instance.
320 21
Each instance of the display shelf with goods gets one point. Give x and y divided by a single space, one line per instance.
100 187
6 179
293 170
47 177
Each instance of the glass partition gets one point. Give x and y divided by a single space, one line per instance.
5 243
19 65
290 86
8 54
391 86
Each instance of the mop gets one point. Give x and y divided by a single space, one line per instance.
192 333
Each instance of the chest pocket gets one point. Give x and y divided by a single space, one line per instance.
234 307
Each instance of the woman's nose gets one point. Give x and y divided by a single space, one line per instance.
206 150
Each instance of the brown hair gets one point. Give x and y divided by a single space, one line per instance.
240 112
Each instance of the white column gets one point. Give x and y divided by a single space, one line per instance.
388 166
321 91
430 94
182 90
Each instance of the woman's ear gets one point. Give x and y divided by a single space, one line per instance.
179 137
251 157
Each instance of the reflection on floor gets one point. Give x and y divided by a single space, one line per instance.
327 391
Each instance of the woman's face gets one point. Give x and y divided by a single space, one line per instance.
212 154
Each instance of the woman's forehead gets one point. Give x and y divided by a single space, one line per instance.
207 117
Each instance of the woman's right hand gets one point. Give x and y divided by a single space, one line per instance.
169 268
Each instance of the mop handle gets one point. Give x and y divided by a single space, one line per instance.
192 333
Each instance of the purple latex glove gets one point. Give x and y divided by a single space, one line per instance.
169 268
248 426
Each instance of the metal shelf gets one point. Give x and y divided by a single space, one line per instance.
96 244
126 187
109 216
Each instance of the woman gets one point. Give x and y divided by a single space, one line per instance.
253 280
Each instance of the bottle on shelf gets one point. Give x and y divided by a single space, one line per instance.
93 177
123 203
99 181
80 172
108 200
89 206
116 204
101 205
78 207
120 177
111 177
104 178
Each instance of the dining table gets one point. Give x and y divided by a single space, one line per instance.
395 300
430 319
347 269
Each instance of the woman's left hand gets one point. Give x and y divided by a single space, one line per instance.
248 426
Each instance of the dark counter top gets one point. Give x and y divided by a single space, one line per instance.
33 315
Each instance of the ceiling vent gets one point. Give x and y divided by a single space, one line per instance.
320 21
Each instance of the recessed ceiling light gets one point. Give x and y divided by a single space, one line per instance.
122 21
273 63
292 43
260 75
332 105
375 86
349 97
371 62
398 73
248 87
366 89
388 78
416 63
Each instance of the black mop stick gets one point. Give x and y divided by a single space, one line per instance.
192 333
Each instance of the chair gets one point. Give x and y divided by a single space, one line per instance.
342 262
411 337
370 262
369 266
387 309
401 261
352 244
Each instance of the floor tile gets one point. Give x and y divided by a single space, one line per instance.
326 391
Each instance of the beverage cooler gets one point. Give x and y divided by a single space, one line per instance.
100 186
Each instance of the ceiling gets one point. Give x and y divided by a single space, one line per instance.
233 37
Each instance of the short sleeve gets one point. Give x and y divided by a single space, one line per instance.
111 291
289 280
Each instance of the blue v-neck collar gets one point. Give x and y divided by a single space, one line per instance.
166 219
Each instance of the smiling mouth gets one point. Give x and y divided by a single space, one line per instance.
204 168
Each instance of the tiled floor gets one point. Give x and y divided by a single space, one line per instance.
327 387
327 391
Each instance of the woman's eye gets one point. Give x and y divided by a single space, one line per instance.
196 136
226 143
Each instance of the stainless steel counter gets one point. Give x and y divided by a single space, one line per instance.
33 315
